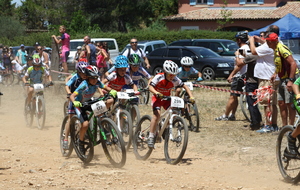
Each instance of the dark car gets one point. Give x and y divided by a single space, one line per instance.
223 47
29 49
211 64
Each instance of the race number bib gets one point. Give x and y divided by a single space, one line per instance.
177 102
189 84
99 108
38 87
123 95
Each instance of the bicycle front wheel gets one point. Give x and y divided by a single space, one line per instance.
176 140
63 129
192 115
88 148
126 127
140 145
112 142
28 114
144 97
244 106
135 115
40 112
8 79
65 108
288 167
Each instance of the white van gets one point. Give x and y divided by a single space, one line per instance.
111 42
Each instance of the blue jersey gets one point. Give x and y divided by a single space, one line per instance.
74 82
184 75
85 91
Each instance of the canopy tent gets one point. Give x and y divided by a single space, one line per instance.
289 27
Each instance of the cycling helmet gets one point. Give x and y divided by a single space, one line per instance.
134 59
36 60
78 47
242 35
170 67
187 61
121 62
91 71
81 66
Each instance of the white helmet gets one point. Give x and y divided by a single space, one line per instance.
78 47
187 61
170 67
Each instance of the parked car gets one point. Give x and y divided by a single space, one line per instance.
111 42
211 64
148 46
223 47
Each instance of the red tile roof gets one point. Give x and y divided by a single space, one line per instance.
238 13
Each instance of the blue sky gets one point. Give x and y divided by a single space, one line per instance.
17 1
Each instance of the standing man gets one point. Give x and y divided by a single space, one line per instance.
286 70
90 50
135 50
21 56
64 39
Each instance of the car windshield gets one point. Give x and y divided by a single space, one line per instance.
206 53
231 46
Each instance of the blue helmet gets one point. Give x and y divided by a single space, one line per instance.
121 61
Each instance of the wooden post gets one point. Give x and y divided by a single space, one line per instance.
55 60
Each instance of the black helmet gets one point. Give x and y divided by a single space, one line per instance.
242 35
134 59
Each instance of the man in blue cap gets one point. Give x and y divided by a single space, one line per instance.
21 55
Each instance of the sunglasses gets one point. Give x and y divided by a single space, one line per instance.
93 77
39 49
133 42
187 66
135 65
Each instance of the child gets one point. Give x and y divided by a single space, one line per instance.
64 39
71 84
161 85
186 70
84 92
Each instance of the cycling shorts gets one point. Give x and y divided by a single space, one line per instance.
64 56
158 103
71 109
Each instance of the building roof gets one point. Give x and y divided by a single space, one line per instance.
251 13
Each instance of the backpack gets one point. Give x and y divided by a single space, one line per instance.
129 49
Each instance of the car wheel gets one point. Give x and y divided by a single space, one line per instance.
208 73
157 70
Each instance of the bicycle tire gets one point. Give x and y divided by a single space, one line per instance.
126 127
175 149
28 114
244 106
145 95
113 145
288 167
8 79
134 110
75 126
40 113
192 115
66 107
140 145
64 152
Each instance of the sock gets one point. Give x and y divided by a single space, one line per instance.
151 135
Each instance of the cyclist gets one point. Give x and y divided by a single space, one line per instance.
73 82
84 92
117 79
161 85
35 75
186 70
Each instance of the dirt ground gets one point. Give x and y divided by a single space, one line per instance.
222 156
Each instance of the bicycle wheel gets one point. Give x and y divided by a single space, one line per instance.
192 115
7 79
88 153
140 145
64 152
144 96
135 114
112 142
288 167
244 106
28 114
126 127
65 108
176 141
40 112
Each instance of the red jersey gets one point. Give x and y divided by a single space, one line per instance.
116 82
162 85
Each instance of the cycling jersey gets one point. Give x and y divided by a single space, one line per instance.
116 82
162 85
36 76
184 75
85 91
74 82
136 76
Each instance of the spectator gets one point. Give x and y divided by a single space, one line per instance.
236 78
77 54
44 57
135 50
21 56
90 51
101 60
35 51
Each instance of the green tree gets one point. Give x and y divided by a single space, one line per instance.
226 14
7 8
11 28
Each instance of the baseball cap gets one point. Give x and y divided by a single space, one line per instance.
37 44
272 37
22 45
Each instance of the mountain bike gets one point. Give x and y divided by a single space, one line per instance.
289 167
36 107
191 113
244 105
171 127
65 152
6 77
145 94
101 130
